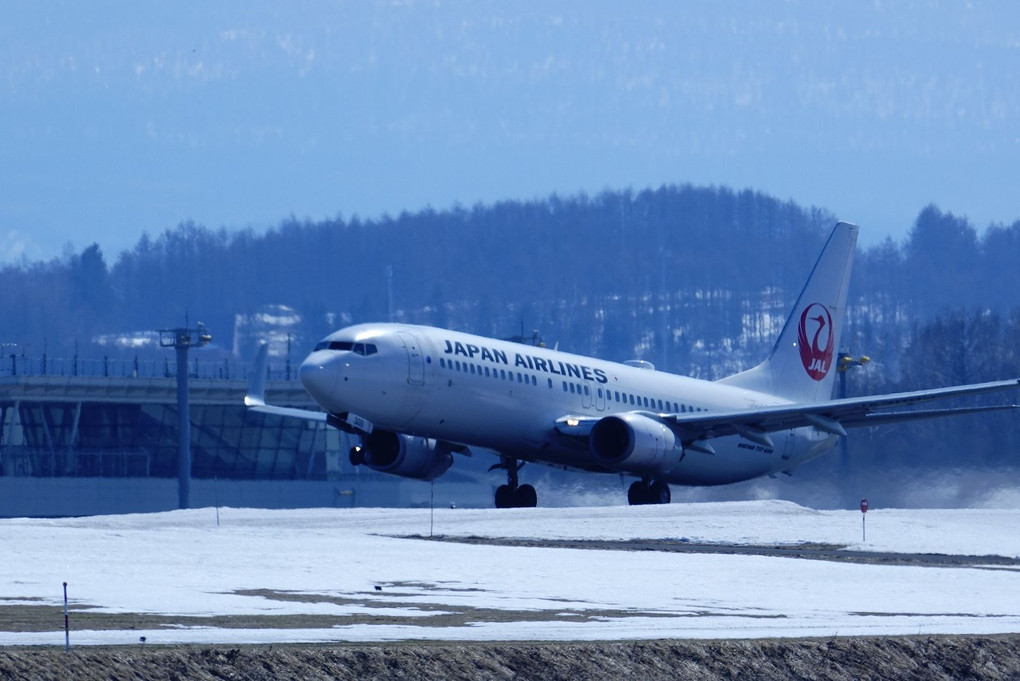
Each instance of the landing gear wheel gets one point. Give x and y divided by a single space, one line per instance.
637 493
642 492
512 494
526 497
658 493
505 496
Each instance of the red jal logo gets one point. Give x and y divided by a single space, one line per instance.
816 356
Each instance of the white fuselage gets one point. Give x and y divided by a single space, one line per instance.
508 396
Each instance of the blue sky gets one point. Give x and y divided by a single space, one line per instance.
121 119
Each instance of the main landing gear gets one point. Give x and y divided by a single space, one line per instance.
648 491
512 494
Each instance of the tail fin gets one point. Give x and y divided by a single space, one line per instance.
802 366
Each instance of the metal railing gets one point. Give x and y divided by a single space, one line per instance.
111 367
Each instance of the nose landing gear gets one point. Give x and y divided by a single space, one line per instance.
513 494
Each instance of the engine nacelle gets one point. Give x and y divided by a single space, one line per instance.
632 443
406 455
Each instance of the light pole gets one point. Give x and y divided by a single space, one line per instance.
182 339
846 362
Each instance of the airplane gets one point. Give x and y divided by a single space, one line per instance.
417 395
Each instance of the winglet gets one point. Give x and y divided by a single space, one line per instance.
256 396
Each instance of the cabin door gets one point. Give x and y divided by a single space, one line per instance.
415 361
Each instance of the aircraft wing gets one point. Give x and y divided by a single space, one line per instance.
833 416
255 400
289 412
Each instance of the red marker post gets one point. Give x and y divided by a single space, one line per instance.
864 512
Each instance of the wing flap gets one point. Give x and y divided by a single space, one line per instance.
918 415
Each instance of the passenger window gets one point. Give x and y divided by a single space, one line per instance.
586 391
564 386
571 388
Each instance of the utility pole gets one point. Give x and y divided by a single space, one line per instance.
182 340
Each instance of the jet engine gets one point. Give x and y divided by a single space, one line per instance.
405 455
632 443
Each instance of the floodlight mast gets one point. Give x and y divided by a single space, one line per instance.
844 363
183 339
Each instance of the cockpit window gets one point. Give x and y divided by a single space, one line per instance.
347 346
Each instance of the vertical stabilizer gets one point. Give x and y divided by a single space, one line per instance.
802 366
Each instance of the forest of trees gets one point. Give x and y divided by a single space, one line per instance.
698 259
696 279
462 267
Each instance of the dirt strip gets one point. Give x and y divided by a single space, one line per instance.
932 657
830 552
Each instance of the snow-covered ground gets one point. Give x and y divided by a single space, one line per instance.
328 563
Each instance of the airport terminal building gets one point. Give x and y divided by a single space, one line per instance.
80 445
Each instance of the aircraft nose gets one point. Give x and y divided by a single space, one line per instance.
319 378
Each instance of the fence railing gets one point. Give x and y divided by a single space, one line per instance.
110 367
